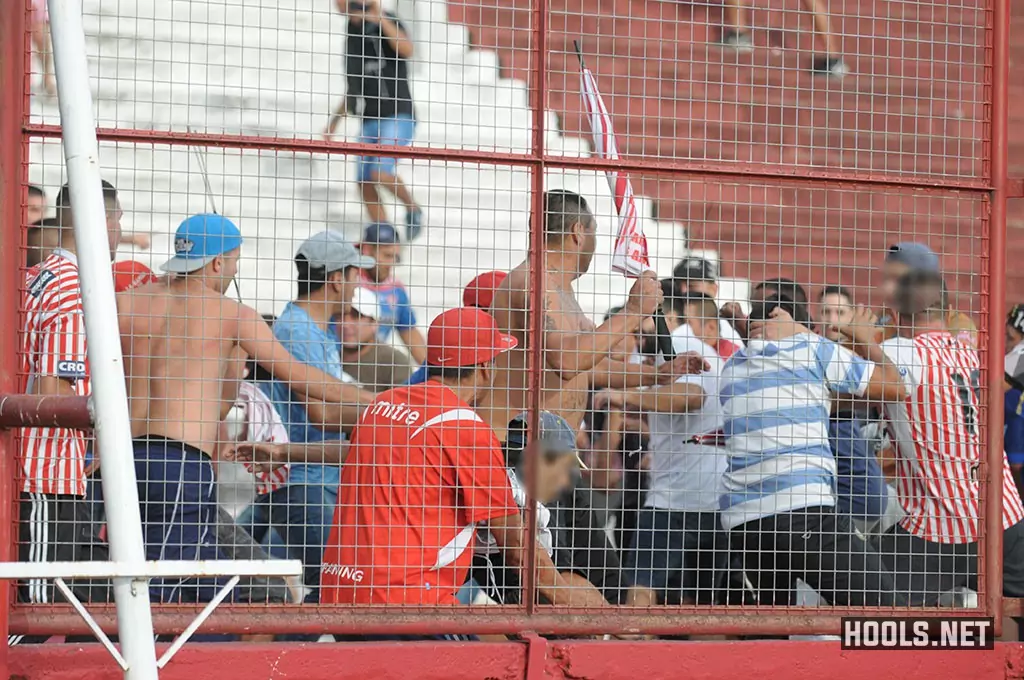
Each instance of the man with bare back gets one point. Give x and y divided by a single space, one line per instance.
577 355
179 338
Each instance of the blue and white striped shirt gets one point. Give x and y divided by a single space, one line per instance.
776 398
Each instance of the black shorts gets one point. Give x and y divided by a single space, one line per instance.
55 528
682 556
818 546
926 571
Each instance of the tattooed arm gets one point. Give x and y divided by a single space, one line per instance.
571 352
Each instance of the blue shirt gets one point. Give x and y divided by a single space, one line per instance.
1013 432
311 344
396 312
861 491
418 376
776 398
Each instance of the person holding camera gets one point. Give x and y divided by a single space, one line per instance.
377 68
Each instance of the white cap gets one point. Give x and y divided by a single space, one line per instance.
366 303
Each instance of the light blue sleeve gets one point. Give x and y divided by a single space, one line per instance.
845 372
405 317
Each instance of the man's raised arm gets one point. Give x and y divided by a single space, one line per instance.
571 353
342 402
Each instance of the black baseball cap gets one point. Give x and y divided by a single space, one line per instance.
695 269
381 234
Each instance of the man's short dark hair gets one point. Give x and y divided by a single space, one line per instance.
706 307
563 209
919 292
37 227
788 287
64 197
452 373
836 290
761 311
310 279
678 302
36 191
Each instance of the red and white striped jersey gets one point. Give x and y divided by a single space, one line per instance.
937 431
53 344
263 424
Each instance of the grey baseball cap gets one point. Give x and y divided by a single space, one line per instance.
914 255
556 434
330 251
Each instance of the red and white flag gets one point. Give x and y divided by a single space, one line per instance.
630 256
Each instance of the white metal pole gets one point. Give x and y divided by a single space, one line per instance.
113 426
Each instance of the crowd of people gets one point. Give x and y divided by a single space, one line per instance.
805 451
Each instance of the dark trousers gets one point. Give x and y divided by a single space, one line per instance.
820 547
926 570
302 516
178 501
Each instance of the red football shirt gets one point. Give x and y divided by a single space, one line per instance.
423 469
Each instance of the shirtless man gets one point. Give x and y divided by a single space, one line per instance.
179 337
577 355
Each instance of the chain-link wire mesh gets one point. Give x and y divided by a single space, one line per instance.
370 318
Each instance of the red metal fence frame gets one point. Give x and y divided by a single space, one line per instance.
993 187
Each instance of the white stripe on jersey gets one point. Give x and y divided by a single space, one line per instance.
54 343
937 430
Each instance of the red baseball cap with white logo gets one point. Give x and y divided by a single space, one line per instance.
130 274
465 336
480 291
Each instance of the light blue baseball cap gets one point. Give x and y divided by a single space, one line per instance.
200 239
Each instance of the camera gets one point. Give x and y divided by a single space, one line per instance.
356 7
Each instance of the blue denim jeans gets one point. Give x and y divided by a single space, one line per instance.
300 515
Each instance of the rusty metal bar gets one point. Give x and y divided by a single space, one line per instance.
298 619
690 169
991 562
31 410
535 319
14 81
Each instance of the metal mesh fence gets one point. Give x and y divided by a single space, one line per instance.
367 303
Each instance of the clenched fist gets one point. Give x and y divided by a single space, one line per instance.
645 296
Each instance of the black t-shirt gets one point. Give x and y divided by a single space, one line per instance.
377 76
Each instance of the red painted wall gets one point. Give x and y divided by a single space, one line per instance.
577 660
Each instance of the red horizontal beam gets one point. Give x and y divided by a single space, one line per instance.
561 659
30 410
302 619
683 169
1015 188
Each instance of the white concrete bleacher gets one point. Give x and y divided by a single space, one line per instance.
274 68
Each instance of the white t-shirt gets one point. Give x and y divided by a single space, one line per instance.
485 543
727 332
685 475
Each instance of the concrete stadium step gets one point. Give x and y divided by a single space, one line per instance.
275 68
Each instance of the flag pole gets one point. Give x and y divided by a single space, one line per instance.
664 337
201 158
